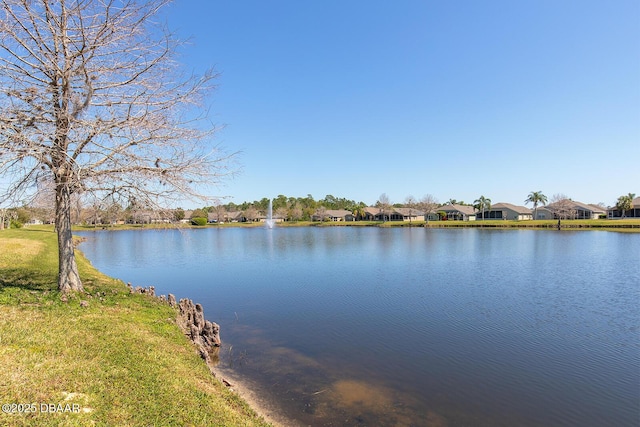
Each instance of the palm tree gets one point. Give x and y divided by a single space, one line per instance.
359 212
625 203
481 204
536 197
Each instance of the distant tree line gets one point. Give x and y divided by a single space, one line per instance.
108 211
289 208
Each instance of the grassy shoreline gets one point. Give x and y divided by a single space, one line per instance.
121 360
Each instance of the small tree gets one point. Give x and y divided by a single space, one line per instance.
411 203
625 203
3 218
198 213
563 206
282 212
295 212
251 213
428 204
359 212
6 200
321 212
384 204
218 210
178 214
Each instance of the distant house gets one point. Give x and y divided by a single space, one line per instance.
570 209
187 217
457 212
544 213
634 212
410 214
432 216
140 217
233 216
274 217
507 211
373 213
333 215
589 211
149 217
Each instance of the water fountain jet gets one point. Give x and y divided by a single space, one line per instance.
269 222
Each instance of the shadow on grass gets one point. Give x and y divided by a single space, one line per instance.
16 281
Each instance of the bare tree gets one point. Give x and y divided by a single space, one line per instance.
6 201
411 203
282 213
562 206
321 212
428 204
3 217
251 213
218 210
384 204
93 101
296 212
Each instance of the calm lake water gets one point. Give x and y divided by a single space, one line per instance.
399 327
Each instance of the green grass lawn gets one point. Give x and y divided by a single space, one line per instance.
121 361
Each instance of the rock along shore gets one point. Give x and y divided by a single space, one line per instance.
204 334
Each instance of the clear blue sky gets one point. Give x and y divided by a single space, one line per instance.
453 98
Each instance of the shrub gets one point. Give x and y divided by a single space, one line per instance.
199 221
16 224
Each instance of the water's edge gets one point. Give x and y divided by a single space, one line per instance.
205 337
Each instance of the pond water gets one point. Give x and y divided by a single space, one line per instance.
400 327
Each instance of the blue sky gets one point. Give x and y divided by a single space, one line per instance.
452 98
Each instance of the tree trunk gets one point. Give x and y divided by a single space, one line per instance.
68 277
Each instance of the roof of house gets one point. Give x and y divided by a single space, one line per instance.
515 208
408 211
576 205
372 210
588 207
233 215
465 209
335 213
597 208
